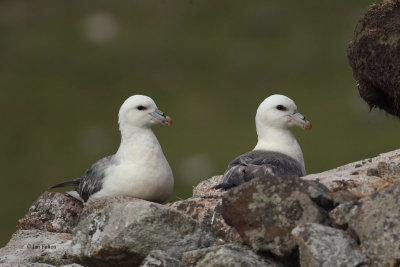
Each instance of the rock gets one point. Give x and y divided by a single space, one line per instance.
343 197
210 228
374 56
265 210
27 247
342 214
356 177
319 193
227 255
158 258
325 246
192 257
206 189
53 212
208 211
123 231
375 221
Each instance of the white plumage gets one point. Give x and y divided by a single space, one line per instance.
139 168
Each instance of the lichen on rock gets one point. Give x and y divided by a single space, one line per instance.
53 212
123 231
266 209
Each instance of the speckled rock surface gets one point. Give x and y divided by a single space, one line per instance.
341 215
323 246
29 247
158 258
374 56
191 258
208 211
363 177
54 212
123 231
376 222
227 255
205 189
265 210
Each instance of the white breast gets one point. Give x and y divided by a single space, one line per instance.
142 173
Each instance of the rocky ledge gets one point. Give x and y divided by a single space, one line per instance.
347 216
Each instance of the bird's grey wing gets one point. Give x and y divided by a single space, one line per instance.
279 164
243 173
234 174
259 163
92 180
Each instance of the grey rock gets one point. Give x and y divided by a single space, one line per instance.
194 256
227 255
158 258
322 246
265 210
319 193
375 221
123 231
54 212
205 189
35 247
341 215
208 211
343 197
353 177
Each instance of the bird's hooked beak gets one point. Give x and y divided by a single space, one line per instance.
161 117
300 120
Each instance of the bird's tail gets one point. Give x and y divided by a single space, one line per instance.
74 182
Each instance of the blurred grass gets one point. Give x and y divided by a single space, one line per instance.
208 64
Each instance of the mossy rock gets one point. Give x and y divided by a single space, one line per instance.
374 55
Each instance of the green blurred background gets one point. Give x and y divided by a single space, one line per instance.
66 67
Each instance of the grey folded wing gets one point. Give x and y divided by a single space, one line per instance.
259 163
92 179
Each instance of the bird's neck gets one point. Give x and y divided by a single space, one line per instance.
136 143
280 140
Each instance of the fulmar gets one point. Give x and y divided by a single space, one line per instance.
139 168
277 152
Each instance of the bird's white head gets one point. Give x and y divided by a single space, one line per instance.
141 111
280 112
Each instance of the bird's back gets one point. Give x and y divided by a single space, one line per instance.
258 163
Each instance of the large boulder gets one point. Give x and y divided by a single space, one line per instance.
123 231
266 209
53 212
374 55
35 247
374 220
361 178
323 246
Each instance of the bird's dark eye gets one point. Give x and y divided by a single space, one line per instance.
280 107
141 107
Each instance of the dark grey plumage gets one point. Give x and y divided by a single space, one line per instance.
258 163
92 180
